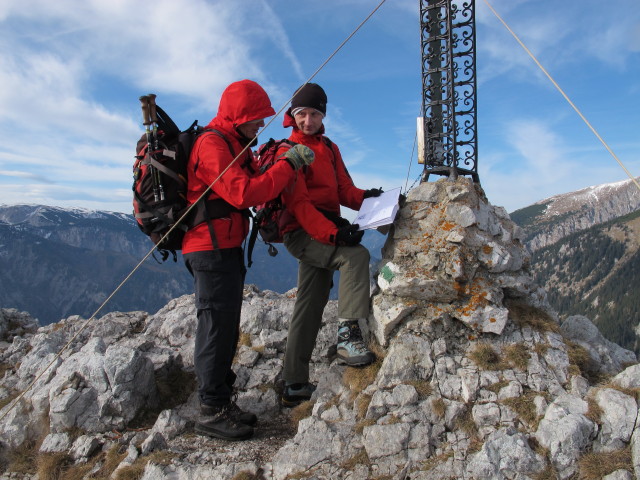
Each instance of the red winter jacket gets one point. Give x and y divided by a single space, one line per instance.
327 185
241 102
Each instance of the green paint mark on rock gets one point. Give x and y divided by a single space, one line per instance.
387 274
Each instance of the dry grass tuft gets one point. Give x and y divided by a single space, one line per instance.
549 473
4 368
432 462
594 466
112 459
541 349
8 399
21 458
132 472
578 355
581 363
361 405
525 315
79 471
357 379
423 388
594 412
162 457
367 422
517 356
465 423
496 387
244 339
136 470
632 392
246 475
524 407
301 411
360 458
485 357
50 466
439 407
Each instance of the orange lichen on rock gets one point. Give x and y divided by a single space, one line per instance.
447 226
477 297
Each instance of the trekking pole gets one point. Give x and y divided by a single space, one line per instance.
154 123
146 121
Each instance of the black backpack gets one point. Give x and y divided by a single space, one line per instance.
160 183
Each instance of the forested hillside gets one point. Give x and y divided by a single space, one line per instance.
594 272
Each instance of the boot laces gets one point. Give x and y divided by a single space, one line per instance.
353 336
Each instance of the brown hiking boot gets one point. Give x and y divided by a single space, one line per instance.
221 422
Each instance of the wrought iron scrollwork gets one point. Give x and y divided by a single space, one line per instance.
449 86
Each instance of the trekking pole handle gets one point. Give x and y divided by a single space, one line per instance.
152 107
144 102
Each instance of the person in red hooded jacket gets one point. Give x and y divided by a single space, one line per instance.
323 242
213 250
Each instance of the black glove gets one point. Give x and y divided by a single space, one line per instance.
349 236
373 192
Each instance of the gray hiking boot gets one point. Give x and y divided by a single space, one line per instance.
296 393
351 348
221 422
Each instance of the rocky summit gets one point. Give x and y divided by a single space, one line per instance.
475 378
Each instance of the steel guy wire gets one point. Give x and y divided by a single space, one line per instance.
566 97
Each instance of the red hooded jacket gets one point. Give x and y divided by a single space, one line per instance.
240 185
327 185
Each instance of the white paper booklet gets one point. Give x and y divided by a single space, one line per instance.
378 211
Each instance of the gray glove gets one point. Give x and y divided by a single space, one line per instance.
299 155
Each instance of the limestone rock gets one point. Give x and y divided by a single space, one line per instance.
619 412
505 454
566 432
607 356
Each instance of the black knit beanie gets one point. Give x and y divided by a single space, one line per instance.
310 95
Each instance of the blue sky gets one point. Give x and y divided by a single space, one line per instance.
71 73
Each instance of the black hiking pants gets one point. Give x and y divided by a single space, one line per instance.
219 282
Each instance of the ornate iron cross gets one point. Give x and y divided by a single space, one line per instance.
447 131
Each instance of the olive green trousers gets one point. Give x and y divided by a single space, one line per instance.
317 263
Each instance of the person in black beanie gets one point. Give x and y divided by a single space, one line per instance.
310 95
323 242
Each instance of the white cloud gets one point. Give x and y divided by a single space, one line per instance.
63 64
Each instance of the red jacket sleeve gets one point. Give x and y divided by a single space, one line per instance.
235 185
301 203
297 201
350 196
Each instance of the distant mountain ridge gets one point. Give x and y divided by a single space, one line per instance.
56 262
76 227
585 253
547 221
